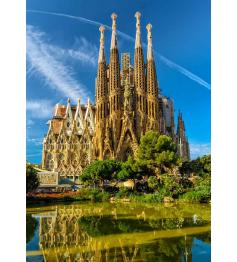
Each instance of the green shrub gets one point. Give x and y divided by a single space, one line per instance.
123 193
153 182
170 186
148 198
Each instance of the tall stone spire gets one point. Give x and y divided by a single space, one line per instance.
138 31
152 85
115 92
139 80
114 34
101 79
114 66
102 45
149 43
182 141
102 97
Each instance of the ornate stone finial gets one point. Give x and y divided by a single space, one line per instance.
114 16
138 16
149 27
78 101
102 29
113 38
68 101
149 42
102 44
138 32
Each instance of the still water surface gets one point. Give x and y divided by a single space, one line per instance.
119 232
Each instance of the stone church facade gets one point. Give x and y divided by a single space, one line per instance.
128 103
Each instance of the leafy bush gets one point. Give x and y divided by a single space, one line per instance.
170 185
97 195
201 191
153 182
123 193
148 198
32 181
200 166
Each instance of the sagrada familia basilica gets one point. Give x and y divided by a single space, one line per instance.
128 103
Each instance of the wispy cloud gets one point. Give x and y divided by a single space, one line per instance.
184 71
198 149
35 141
56 73
83 51
40 108
163 59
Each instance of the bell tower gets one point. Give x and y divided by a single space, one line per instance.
101 98
152 85
139 82
115 92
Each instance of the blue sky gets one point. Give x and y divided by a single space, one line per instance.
62 52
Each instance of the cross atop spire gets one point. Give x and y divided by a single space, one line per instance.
149 42
138 31
102 44
114 36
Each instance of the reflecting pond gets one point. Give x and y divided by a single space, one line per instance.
119 232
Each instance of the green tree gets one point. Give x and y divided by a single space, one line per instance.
31 225
130 170
158 152
99 171
200 166
170 185
153 182
32 181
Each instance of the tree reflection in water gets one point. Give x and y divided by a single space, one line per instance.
106 232
31 225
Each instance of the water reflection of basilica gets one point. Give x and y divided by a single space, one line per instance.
73 233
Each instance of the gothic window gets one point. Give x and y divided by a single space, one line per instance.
68 124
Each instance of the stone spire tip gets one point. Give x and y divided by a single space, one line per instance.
149 42
113 38
138 32
149 27
137 15
114 16
101 57
102 28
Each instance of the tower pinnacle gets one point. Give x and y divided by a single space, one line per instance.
102 44
114 37
149 42
138 31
